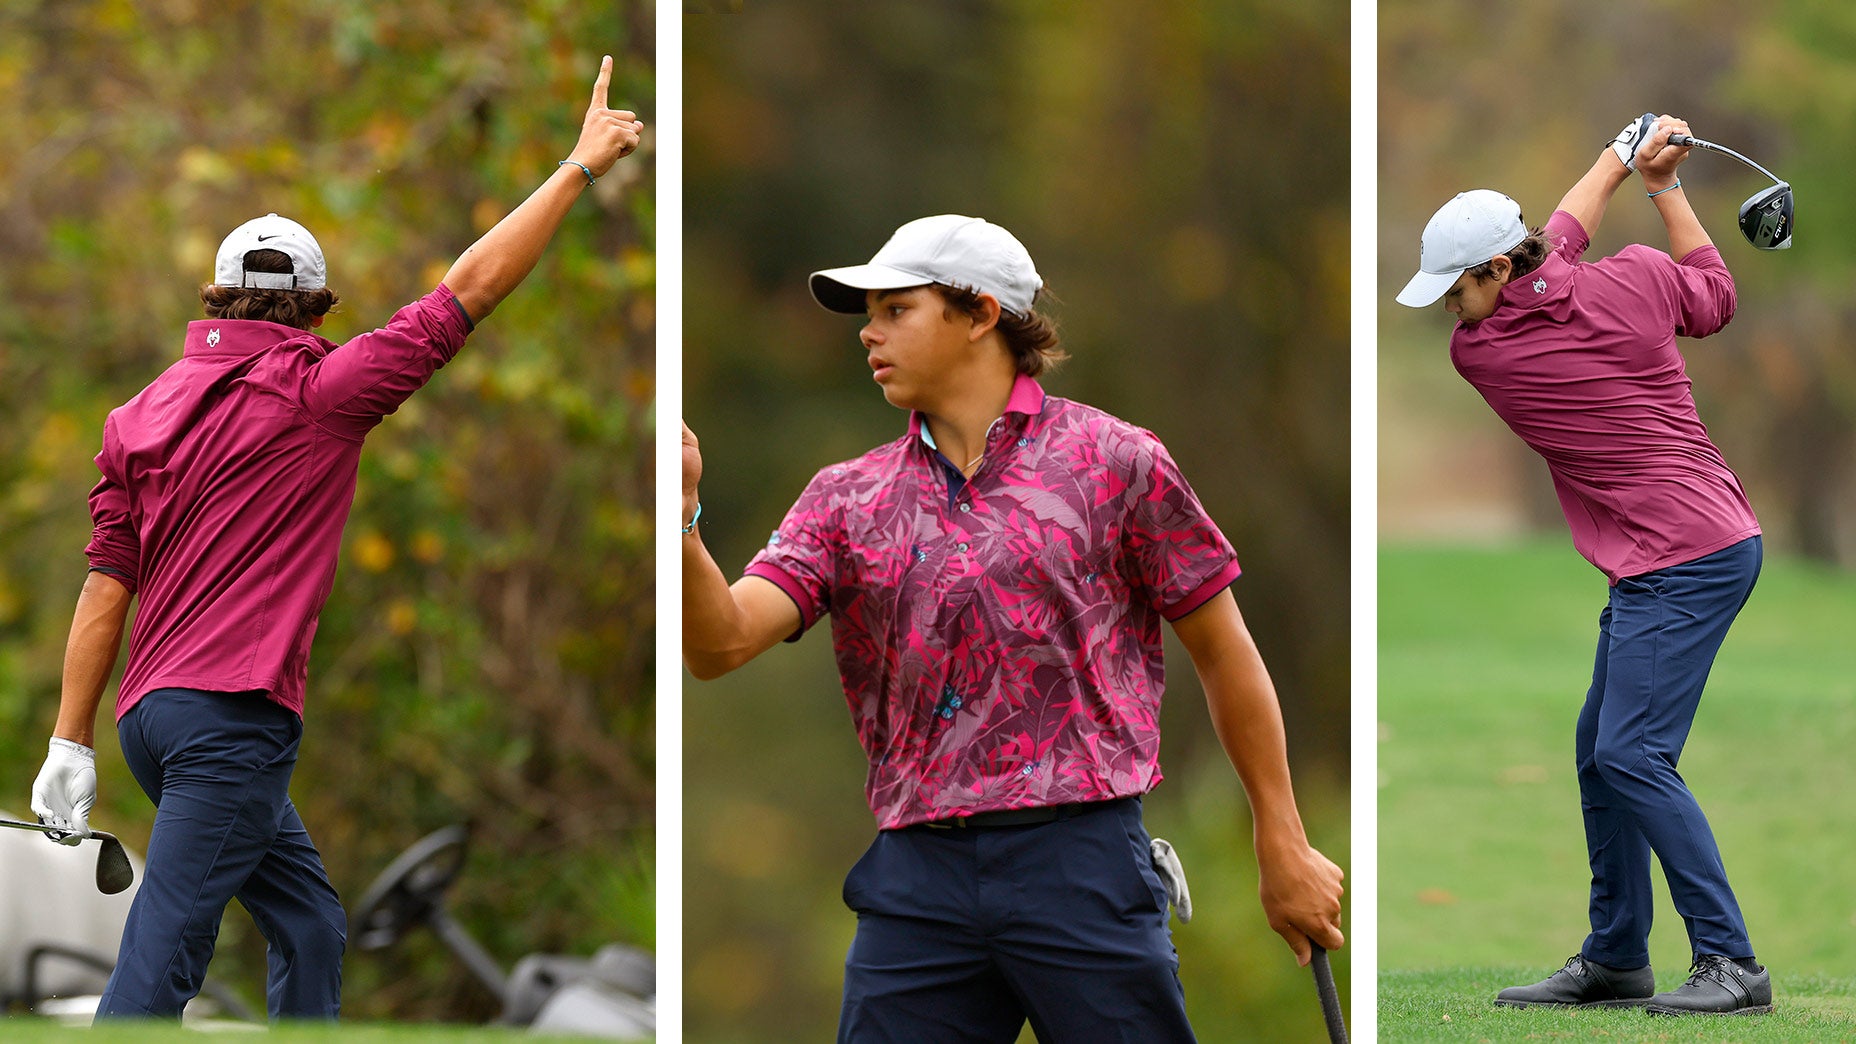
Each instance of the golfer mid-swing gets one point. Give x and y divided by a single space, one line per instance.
996 579
226 483
1580 359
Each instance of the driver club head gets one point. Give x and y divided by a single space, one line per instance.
1766 218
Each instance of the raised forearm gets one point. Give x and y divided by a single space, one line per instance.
1588 197
90 656
725 626
498 262
491 268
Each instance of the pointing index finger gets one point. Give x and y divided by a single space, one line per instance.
599 85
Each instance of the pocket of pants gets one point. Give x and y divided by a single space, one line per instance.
1148 891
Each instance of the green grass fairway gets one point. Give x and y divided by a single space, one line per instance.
1484 659
1453 1006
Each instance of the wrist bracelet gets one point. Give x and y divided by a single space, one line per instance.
584 169
1660 191
691 528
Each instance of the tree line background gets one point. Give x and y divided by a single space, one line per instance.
1179 172
487 653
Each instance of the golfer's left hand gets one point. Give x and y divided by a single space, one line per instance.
66 790
1656 158
1301 890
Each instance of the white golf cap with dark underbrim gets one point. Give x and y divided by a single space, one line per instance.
1465 232
968 253
271 232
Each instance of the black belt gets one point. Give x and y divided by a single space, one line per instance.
1012 817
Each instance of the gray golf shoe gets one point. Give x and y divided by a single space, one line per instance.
1717 986
1583 984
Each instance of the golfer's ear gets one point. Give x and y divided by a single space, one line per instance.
1501 267
987 319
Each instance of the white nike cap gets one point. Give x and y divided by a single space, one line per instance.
270 232
1465 232
968 253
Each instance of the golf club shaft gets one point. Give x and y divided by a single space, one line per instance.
43 828
1330 998
1684 140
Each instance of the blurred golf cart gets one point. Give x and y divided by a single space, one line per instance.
610 994
59 934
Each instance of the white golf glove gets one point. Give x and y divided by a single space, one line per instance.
1631 138
66 790
1173 876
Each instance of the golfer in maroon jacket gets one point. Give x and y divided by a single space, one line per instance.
225 487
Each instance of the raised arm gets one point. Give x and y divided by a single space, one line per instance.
66 786
723 627
1300 888
1588 197
1657 162
497 263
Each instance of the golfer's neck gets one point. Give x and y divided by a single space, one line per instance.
960 421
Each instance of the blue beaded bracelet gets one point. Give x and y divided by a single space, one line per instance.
691 528
584 169
1660 191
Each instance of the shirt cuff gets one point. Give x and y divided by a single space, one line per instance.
780 578
452 298
1203 593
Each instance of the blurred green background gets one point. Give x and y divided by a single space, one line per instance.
487 653
1487 615
1179 172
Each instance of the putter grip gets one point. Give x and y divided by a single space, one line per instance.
1330 999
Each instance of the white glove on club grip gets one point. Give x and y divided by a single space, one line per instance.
66 790
1631 138
1173 876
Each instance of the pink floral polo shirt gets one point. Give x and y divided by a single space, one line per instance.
999 639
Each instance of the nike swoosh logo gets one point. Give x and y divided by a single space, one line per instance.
271 236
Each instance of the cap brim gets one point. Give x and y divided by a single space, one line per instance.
843 289
1426 287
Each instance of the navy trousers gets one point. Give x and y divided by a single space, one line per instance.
217 766
1656 642
963 935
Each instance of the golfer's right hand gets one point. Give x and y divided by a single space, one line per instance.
692 472
66 790
1301 891
607 134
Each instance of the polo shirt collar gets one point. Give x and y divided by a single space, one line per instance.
1027 398
1546 289
241 337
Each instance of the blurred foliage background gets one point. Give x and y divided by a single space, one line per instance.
1179 172
1520 98
487 653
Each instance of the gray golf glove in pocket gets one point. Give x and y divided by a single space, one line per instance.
1173 876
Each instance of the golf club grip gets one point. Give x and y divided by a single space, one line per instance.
1330 999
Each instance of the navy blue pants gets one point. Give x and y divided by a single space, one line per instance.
1656 642
217 766
963 935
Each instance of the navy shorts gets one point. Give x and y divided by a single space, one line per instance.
965 934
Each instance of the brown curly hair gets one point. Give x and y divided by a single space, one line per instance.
1528 254
288 307
1031 337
